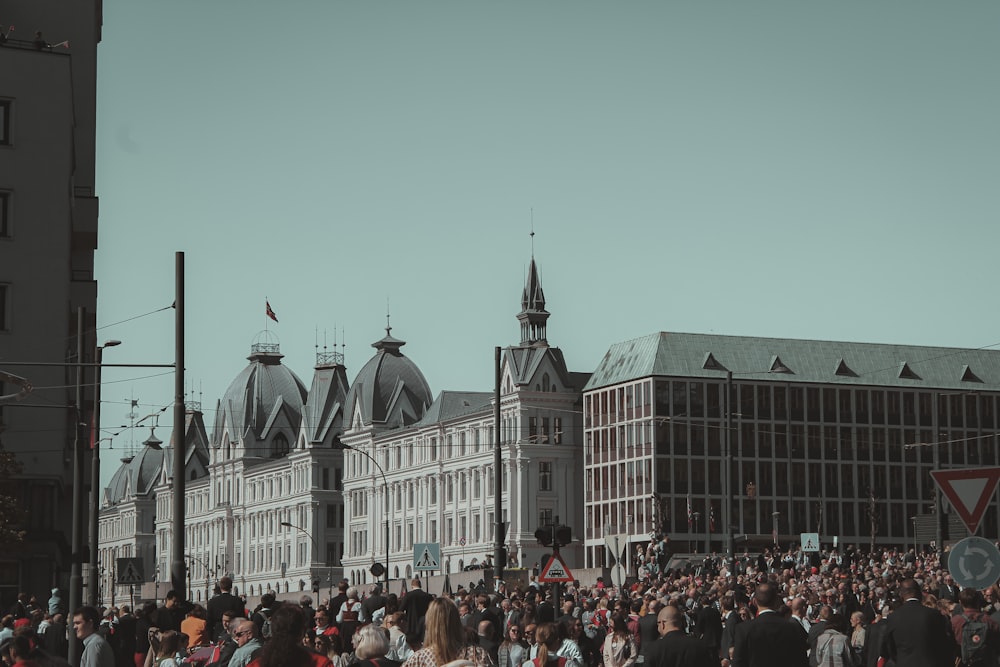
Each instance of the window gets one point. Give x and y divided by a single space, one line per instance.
545 476
557 435
5 106
279 448
545 517
5 224
4 307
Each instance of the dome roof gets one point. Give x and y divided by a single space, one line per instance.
264 387
137 474
389 390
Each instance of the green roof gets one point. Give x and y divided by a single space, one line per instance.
791 360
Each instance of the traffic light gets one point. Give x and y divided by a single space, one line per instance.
564 535
544 536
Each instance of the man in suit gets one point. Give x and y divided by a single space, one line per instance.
372 603
948 590
414 604
729 621
221 603
825 612
769 639
649 627
917 636
708 624
674 648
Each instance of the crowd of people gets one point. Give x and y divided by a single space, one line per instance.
785 609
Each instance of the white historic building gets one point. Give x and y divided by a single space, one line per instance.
426 468
275 501
261 498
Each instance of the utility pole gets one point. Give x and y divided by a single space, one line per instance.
76 548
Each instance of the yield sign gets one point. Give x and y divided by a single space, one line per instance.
969 491
555 571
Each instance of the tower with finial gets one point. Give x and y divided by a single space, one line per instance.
533 316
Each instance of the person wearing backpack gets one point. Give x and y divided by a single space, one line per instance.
262 617
977 635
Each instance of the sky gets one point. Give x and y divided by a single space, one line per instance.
819 170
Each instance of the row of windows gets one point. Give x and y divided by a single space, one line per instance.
777 402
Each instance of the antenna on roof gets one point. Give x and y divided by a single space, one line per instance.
388 328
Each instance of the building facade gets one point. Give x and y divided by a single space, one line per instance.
824 436
295 488
418 470
48 235
261 488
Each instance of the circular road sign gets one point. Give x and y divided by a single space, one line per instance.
461 541
974 563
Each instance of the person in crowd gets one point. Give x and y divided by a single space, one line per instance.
588 652
349 617
143 624
619 648
972 603
512 650
171 645
546 647
675 648
284 648
858 635
170 615
124 644
56 605
486 639
915 635
219 605
96 651
370 646
195 626
373 608
248 644
227 643
769 639
833 648
399 647
444 639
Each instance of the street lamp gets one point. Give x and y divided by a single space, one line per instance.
338 444
95 475
316 551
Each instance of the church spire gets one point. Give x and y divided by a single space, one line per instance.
533 314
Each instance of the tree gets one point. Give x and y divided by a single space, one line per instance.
12 515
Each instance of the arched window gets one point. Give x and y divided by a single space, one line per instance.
279 446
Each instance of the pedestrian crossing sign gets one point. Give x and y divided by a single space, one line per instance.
426 556
130 571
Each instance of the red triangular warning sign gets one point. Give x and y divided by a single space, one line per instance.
969 491
555 571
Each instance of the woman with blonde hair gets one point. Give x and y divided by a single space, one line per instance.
444 639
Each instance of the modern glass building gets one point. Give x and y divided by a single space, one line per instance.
823 435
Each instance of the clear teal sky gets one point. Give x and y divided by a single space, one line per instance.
795 169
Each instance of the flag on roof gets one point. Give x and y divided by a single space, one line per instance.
270 313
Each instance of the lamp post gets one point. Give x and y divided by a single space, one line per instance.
305 532
341 445
913 520
95 475
697 537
